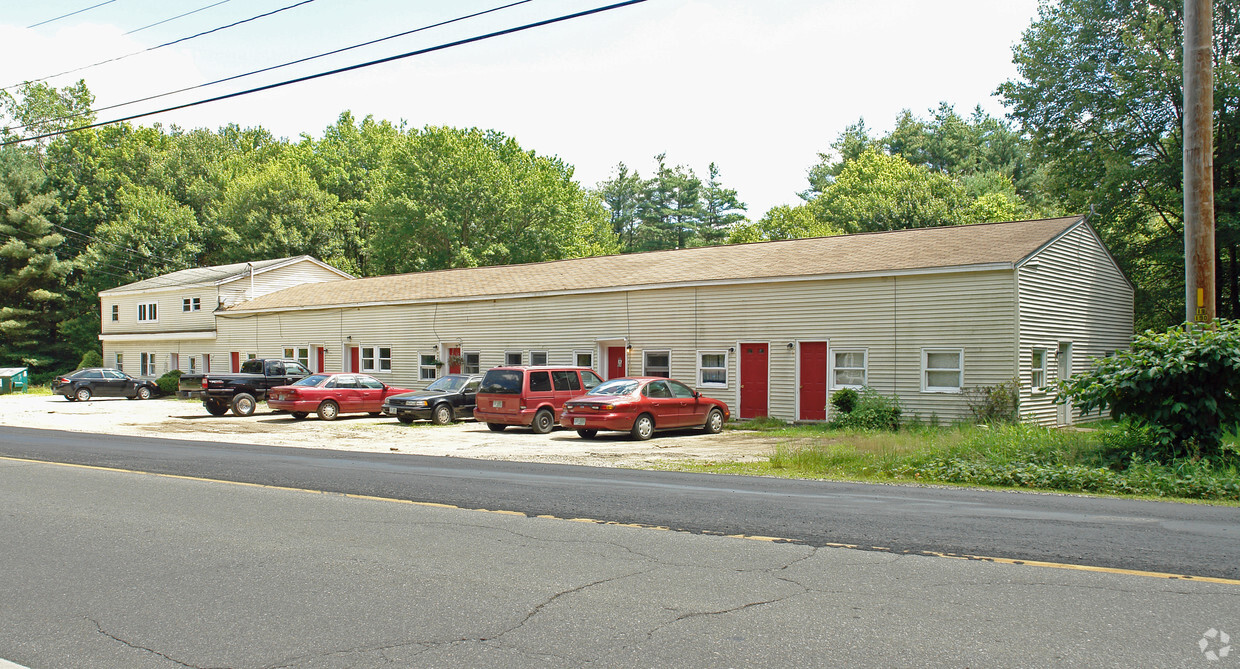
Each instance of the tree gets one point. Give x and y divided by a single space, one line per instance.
1100 95
722 210
782 222
31 272
881 192
622 194
40 108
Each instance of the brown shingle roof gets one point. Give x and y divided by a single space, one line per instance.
895 251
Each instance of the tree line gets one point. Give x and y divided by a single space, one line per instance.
1092 127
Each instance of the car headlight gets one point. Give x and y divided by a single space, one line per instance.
419 403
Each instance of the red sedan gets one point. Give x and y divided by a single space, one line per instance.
640 406
331 395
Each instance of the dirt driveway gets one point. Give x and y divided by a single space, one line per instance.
183 419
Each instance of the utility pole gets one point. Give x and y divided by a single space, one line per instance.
1199 161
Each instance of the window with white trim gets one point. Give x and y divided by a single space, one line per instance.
148 312
193 364
538 357
848 368
942 370
174 361
120 362
712 369
299 353
471 366
191 304
376 359
148 364
1037 369
116 312
512 358
584 359
428 370
657 363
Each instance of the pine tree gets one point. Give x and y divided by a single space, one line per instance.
721 209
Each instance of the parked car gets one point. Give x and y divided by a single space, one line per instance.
449 398
642 405
330 395
531 396
241 391
86 383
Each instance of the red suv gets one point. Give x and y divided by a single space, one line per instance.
532 396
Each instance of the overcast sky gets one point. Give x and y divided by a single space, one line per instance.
757 86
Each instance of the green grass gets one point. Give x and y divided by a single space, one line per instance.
32 390
1006 456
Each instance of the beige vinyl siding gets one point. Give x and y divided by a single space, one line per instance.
162 350
1075 293
171 316
272 280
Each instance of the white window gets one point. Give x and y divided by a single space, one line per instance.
174 361
512 358
120 362
538 357
193 364
116 312
299 353
584 358
658 363
148 364
712 369
191 304
428 367
942 370
375 359
148 312
1037 369
471 365
848 368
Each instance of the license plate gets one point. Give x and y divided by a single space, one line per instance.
497 404
579 421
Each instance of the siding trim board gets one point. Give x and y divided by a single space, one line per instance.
158 336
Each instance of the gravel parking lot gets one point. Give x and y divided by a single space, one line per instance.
184 419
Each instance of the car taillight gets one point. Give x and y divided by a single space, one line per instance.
61 379
204 383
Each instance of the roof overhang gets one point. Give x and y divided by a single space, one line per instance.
280 265
159 336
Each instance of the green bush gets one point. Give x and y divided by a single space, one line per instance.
168 382
871 411
1184 384
91 359
844 400
994 404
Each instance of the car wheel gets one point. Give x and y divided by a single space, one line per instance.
643 427
496 427
298 415
243 404
543 422
442 415
406 419
82 394
216 408
328 410
144 393
587 434
714 422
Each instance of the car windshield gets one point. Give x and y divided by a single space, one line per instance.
313 380
448 384
615 387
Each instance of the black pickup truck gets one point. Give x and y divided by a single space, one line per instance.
243 390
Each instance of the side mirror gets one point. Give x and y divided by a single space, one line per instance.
696 394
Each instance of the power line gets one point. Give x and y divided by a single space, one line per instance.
65 16
178 16
418 52
273 67
160 46
148 256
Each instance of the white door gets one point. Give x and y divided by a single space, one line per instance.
1064 361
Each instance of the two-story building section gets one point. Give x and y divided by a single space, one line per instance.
168 322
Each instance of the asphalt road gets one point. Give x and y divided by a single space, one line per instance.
1184 539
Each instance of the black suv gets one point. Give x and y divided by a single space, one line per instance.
449 398
86 383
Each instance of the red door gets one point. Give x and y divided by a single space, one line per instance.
813 380
753 380
355 359
320 351
236 361
454 364
615 361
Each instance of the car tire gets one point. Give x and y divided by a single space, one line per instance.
714 422
587 434
144 393
299 415
328 410
406 419
496 427
543 422
243 404
82 394
643 427
441 414
216 407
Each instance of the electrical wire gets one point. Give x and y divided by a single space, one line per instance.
273 67
65 16
160 46
280 84
123 248
178 16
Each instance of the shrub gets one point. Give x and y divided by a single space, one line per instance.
871 411
168 382
994 404
1183 383
91 359
844 400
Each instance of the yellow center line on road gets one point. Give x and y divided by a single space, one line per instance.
750 537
